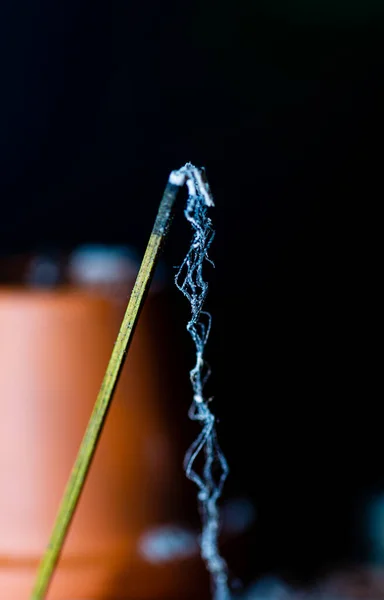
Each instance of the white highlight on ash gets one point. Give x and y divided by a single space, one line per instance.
189 279
193 177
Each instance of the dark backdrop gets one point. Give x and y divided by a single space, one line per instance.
282 103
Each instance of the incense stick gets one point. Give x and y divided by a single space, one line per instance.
92 434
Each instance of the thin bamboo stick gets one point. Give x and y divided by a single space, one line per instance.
92 434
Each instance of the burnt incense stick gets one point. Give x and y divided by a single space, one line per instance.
94 429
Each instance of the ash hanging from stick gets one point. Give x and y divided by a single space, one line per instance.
189 280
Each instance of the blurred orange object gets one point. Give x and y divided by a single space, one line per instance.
54 348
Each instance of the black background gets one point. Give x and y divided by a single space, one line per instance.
282 103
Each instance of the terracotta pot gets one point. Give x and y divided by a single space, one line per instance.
54 348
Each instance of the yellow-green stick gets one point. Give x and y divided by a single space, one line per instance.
92 434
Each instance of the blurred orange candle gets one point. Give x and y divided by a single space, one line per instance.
54 348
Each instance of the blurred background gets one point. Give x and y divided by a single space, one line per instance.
282 103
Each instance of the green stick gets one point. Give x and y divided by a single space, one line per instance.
92 434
